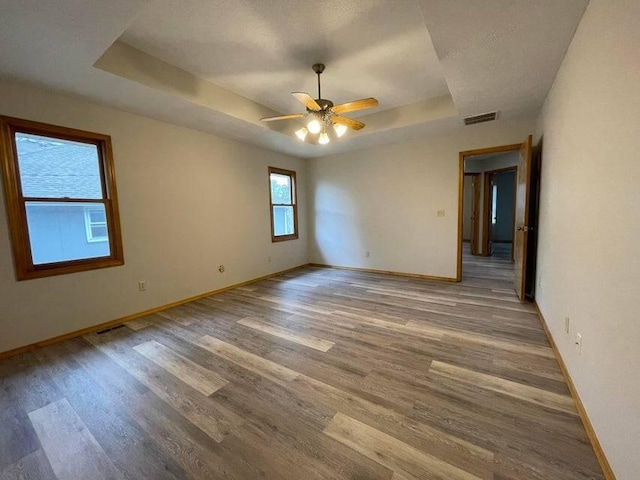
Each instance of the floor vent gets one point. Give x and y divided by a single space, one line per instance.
483 117
100 332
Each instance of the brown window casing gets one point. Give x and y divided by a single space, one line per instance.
294 187
16 202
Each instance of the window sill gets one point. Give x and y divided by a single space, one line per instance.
49 270
284 238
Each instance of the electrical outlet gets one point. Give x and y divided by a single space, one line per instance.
142 285
579 343
221 268
440 213
366 254
566 325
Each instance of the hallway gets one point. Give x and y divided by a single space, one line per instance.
497 268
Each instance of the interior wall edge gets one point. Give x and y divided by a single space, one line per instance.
582 412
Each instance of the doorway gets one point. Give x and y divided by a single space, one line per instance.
500 209
498 250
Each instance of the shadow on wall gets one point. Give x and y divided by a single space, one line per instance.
337 227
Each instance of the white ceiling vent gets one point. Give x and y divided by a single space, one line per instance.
483 117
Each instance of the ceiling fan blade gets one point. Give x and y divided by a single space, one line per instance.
307 101
349 122
282 117
355 105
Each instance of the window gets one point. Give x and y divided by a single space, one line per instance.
95 222
61 199
284 210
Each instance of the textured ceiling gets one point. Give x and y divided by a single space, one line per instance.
264 49
501 54
219 66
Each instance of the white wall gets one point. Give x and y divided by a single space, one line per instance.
384 200
588 257
188 203
503 160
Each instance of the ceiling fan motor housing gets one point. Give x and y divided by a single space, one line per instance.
324 104
318 68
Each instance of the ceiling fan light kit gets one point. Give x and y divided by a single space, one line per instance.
323 116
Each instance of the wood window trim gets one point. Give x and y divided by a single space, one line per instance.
294 199
15 202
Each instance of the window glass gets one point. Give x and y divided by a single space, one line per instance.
280 188
283 220
58 232
56 168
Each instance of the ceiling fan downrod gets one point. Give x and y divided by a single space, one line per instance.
319 68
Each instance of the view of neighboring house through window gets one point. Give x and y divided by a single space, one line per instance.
284 211
61 185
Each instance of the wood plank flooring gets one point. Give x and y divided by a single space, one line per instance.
316 374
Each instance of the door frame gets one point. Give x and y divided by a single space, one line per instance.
475 228
486 204
461 157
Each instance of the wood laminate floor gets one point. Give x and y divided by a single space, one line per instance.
316 374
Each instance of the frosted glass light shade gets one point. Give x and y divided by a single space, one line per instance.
302 133
314 126
323 139
340 129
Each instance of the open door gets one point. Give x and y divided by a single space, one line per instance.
521 224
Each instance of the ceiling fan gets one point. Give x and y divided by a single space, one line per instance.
323 115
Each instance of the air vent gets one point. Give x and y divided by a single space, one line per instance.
483 117
100 332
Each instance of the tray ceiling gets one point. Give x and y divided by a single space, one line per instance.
219 66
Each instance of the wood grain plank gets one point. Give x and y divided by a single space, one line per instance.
194 407
296 337
493 341
452 449
140 323
17 437
390 452
105 412
34 466
72 450
538 396
247 360
203 380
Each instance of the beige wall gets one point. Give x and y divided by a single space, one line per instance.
188 201
588 255
385 199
